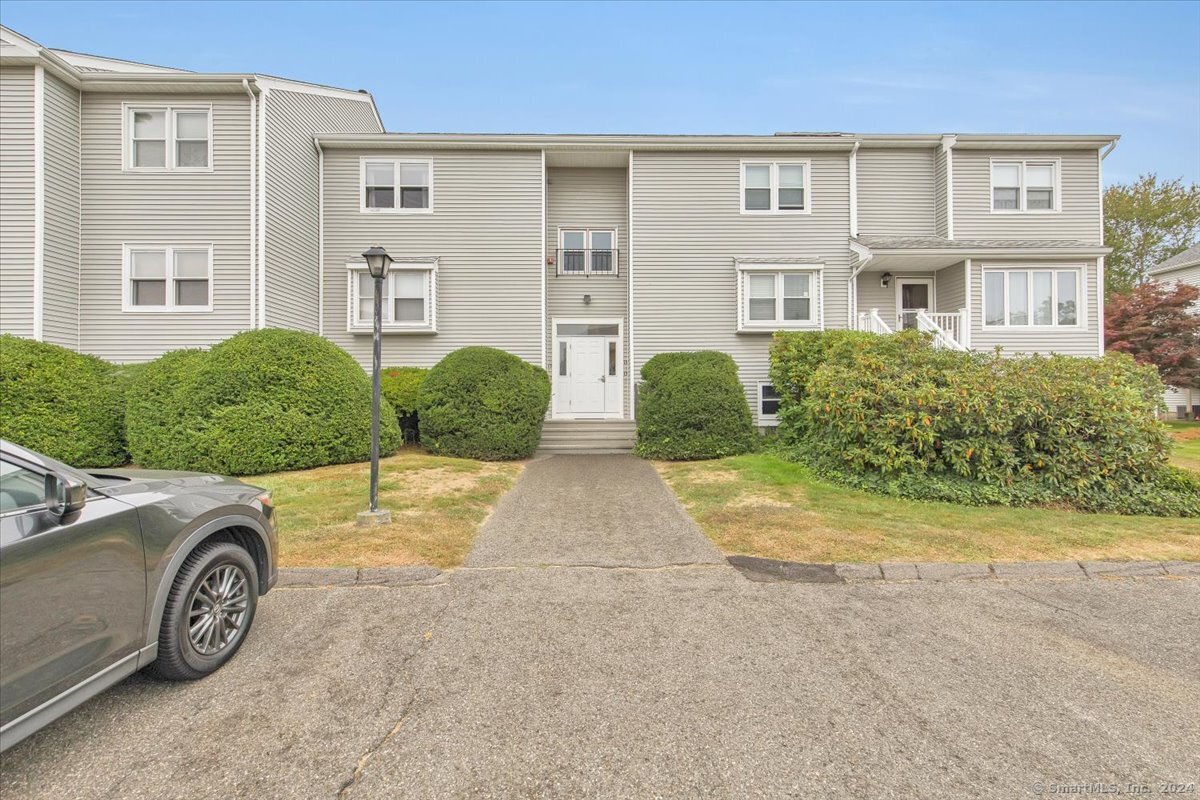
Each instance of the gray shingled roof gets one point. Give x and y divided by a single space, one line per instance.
942 243
1188 258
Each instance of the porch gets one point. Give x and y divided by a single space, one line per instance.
929 300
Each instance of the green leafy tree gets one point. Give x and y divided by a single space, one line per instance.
1145 223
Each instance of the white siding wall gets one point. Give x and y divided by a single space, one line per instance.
1079 218
1084 341
951 285
292 196
60 313
487 231
896 191
163 208
16 200
941 220
591 198
687 231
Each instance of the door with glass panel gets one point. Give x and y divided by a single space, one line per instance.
913 295
588 372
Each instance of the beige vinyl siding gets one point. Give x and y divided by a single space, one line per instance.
292 175
486 229
1079 218
941 220
896 191
60 305
16 200
951 283
166 208
688 230
1188 275
588 198
1083 341
1173 398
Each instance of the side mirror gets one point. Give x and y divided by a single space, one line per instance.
64 495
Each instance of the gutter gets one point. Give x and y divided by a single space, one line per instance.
253 197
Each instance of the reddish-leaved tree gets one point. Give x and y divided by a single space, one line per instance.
1157 324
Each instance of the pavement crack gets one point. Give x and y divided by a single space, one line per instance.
1048 604
360 766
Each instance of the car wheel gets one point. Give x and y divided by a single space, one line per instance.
208 612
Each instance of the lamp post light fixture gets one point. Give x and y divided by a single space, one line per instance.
378 262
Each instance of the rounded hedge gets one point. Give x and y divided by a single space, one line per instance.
692 406
480 402
61 403
401 386
260 401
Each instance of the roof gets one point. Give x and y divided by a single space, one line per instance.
942 243
1188 258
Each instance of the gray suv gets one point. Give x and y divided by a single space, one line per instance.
104 573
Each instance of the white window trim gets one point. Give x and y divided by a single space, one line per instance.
127 112
396 163
1022 163
774 210
744 268
587 260
127 306
416 264
764 420
1081 315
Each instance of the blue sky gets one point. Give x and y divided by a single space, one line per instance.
1132 69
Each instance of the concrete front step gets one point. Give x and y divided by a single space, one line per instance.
598 436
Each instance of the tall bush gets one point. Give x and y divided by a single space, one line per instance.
260 401
692 406
480 402
401 387
61 403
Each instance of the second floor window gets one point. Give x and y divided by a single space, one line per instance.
1024 186
775 187
585 251
169 138
396 185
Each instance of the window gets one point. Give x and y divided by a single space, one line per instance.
1024 186
587 251
770 187
169 138
397 186
168 278
408 293
768 404
778 296
1033 297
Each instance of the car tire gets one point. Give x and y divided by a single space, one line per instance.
208 613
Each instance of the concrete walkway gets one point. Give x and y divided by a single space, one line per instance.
597 511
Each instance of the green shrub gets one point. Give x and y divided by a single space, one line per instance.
260 401
692 406
61 403
401 387
917 421
479 402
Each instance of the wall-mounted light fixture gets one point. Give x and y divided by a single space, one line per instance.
885 279
587 299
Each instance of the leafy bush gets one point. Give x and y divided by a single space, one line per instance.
260 401
692 406
401 387
61 403
917 421
480 402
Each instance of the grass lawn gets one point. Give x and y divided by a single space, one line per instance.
437 506
762 505
1187 444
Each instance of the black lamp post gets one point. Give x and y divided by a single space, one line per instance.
378 262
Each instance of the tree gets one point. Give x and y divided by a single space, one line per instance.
1145 223
1155 323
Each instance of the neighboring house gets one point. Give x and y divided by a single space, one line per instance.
1181 268
584 254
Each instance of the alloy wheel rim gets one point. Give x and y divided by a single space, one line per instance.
217 612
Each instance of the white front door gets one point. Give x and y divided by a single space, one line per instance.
587 369
586 374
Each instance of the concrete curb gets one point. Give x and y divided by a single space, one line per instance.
772 571
325 577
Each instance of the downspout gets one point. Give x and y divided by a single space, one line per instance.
253 198
262 210
854 190
629 268
1100 261
948 142
542 284
320 237
865 256
39 201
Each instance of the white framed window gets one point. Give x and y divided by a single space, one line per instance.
776 187
773 296
168 138
395 186
1025 186
409 297
167 278
587 251
768 404
1036 297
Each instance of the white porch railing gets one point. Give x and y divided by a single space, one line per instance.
871 322
946 328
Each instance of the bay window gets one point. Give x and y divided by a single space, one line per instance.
1047 297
